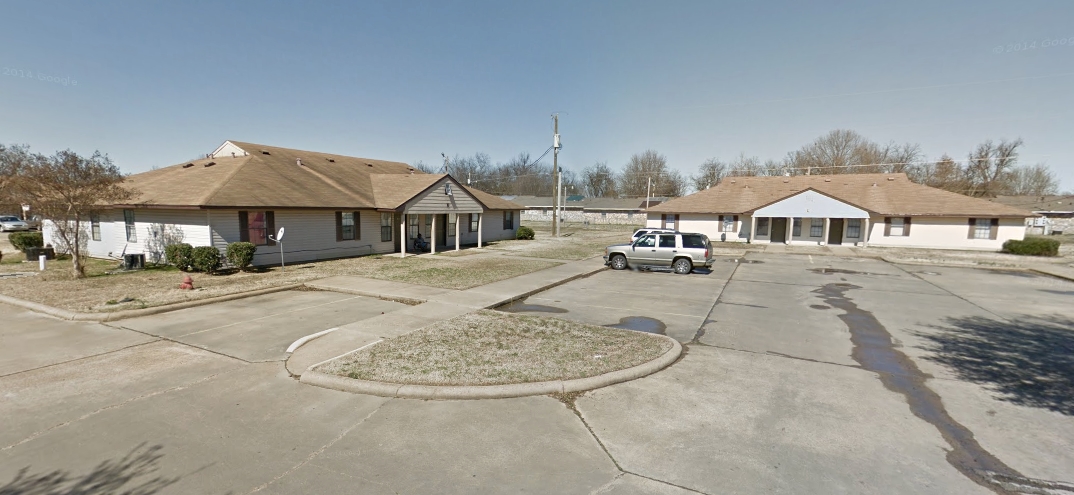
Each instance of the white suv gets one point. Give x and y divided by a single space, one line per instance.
649 230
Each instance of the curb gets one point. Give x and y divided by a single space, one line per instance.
455 392
132 313
409 301
546 287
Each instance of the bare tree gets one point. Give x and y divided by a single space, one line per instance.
943 174
1036 180
747 166
423 167
634 181
599 181
990 166
66 188
709 174
13 159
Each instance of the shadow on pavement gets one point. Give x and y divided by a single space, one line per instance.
1028 361
129 475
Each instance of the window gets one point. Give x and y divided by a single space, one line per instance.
982 227
475 218
452 223
412 226
762 226
796 230
255 227
508 220
897 226
630 215
667 241
853 228
385 227
603 214
669 221
95 226
816 227
727 223
347 226
647 240
428 224
128 222
695 241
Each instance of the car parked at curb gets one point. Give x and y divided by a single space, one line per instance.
11 223
681 251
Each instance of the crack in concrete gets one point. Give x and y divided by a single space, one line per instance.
319 451
967 301
105 353
110 407
708 316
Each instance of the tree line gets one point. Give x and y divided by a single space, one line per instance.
990 169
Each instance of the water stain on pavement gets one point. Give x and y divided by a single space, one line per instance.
522 307
819 306
641 324
830 271
875 351
741 260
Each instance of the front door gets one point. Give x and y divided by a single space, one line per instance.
835 231
779 230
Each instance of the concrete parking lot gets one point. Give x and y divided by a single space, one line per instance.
801 375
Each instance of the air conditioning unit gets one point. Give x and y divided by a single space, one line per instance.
133 261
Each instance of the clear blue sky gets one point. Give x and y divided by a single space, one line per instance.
162 82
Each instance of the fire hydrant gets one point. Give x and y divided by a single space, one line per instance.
188 283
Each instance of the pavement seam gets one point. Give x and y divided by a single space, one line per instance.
862 289
313 455
945 290
110 407
270 316
830 363
667 483
156 339
708 316
177 342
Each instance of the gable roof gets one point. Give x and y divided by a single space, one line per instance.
882 194
270 177
1048 203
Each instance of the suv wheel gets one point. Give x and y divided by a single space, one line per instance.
683 266
618 262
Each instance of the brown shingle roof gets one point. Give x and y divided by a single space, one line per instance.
270 177
1062 203
493 202
882 194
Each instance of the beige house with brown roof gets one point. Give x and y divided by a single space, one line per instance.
856 209
331 206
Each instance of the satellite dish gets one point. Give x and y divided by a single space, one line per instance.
279 235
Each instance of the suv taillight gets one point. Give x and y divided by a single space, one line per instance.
706 254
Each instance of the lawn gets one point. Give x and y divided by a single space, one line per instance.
576 241
495 348
105 287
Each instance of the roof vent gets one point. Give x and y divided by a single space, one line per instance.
874 184
263 152
210 164
298 161
410 169
188 165
786 181
233 154
891 178
827 180
333 160
370 165
733 181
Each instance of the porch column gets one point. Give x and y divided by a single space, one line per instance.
480 222
457 219
827 225
753 227
432 236
865 234
402 238
790 230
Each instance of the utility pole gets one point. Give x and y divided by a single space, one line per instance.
648 187
556 176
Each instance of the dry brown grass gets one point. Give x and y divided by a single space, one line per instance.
155 287
576 242
495 348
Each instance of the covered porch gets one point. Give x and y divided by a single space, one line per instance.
440 231
810 218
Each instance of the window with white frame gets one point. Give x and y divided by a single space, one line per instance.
95 226
762 226
128 222
816 227
853 228
897 226
982 228
796 230
452 220
385 227
727 223
412 226
475 219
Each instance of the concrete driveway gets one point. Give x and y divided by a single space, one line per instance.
260 328
781 390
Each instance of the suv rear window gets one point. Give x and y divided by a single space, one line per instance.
694 241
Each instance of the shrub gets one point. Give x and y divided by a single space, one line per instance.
181 255
25 240
524 233
206 259
1032 246
241 254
